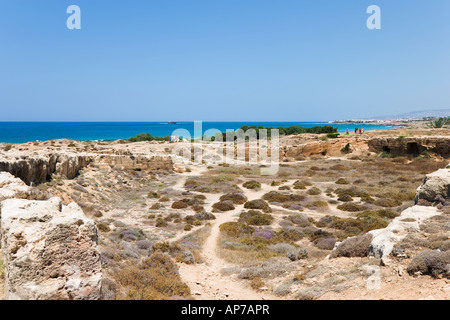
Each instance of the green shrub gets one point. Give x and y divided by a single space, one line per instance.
192 182
164 199
350 207
103 227
342 181
320 204
353 247
352 192
378 213
333 135
147 137
162 246
258 204
388 202
325 243
189 219
291 234
274 196
290 130
203 215
252 185
346 149
198 208
154 195
223 205
235 229
351 226
300 220
438 123
301 184
314 191
255 218
156 206
430 262
237 198
345 198
298 254
179 205
367 199
160 223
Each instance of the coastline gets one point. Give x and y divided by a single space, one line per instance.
22 132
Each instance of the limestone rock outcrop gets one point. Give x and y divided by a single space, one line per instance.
411 146
383 240
332 147
50 251
39 168
70 165
137 162
10 185
435 187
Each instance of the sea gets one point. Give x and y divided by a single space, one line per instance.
21 132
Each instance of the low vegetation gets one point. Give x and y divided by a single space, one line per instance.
258 205
350 227
155 278
283 131
353 247
252 184
147 137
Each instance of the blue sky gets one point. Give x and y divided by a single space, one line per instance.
222 60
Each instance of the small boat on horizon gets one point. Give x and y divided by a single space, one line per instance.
172 122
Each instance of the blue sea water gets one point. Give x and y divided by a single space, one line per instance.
20 132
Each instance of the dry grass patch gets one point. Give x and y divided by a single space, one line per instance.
353 247
155 278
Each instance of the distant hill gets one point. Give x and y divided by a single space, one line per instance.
417 114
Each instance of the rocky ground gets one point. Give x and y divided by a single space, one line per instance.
269 237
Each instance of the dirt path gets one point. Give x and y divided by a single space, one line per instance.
205 280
